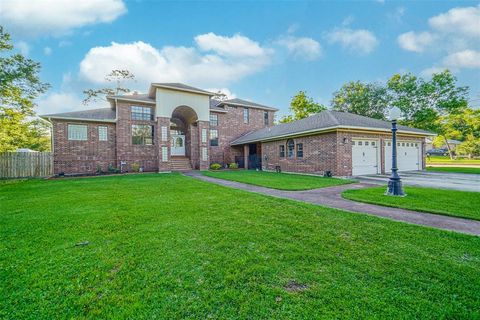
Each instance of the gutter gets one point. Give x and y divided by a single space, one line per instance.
313 131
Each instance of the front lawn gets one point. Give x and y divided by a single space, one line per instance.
447 160
455 169
168 246
281 181
446 202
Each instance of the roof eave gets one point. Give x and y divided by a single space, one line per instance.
206 93
49 117
130 99
248 106
313 131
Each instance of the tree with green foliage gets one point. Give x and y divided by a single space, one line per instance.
366 99
302 106
118 78
19 87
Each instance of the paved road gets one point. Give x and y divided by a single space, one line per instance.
442 180
331 197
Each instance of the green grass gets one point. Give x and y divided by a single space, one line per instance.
447 160
455 169
281 181
446 202
168 246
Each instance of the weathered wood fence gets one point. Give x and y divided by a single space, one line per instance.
25 164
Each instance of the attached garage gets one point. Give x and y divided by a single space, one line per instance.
365 157
409 155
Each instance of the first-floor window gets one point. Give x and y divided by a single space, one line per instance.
290 148
213 137
281 151
299 150
142 134
77 132
102 133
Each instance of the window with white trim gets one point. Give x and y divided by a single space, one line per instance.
246 115
265 118
281 151
299 150
213 137
290 148
102 133
213 119
77 132
142 134
204 135
142 113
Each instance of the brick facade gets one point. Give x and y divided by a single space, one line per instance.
330 151
231 126
83 156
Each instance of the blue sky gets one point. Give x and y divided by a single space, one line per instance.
264 51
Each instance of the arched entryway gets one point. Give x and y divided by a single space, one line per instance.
182 129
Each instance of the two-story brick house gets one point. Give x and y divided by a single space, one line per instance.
173 127
177 127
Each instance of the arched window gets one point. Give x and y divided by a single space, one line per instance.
290 148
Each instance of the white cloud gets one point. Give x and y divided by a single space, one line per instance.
463 59
301 47
59 102
359 41
416 42
464 20
54 17
222 64
47 51
23 47
225 91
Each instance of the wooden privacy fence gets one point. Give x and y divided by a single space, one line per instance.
25 164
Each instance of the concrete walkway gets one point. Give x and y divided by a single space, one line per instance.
331 197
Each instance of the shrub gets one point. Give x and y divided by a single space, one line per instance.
215 166
233 165
135 167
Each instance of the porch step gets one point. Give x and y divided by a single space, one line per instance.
180 164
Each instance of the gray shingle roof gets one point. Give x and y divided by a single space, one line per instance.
180 86
103 114
139 97
320 121
241 102
215 105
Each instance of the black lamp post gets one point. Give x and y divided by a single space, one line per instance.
394 184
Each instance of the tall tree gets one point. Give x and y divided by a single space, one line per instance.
117 78
302 106
366 99
19 87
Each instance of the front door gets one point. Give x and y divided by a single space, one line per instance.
178 145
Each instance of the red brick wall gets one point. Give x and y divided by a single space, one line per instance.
144 155
72 157
324 152
230 127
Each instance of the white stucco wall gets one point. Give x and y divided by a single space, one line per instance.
167 100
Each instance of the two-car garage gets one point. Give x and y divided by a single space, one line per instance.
366 156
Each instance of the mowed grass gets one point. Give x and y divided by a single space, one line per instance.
168 246
447 160
446 202
274 180
455 169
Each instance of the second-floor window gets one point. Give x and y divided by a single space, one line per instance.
142 113
142 134
213 137
246 115
265 118
213 120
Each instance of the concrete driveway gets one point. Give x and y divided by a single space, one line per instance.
441 180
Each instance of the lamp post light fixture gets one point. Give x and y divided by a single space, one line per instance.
394 183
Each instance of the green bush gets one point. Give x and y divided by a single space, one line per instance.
215 166
233 165
135 167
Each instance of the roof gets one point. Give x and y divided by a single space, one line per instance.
100 115
245 103
215 105
134 97
181 87
322 121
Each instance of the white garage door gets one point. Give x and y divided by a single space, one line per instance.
364 157
408 156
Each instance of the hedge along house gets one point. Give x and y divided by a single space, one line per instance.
173 127
338 143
